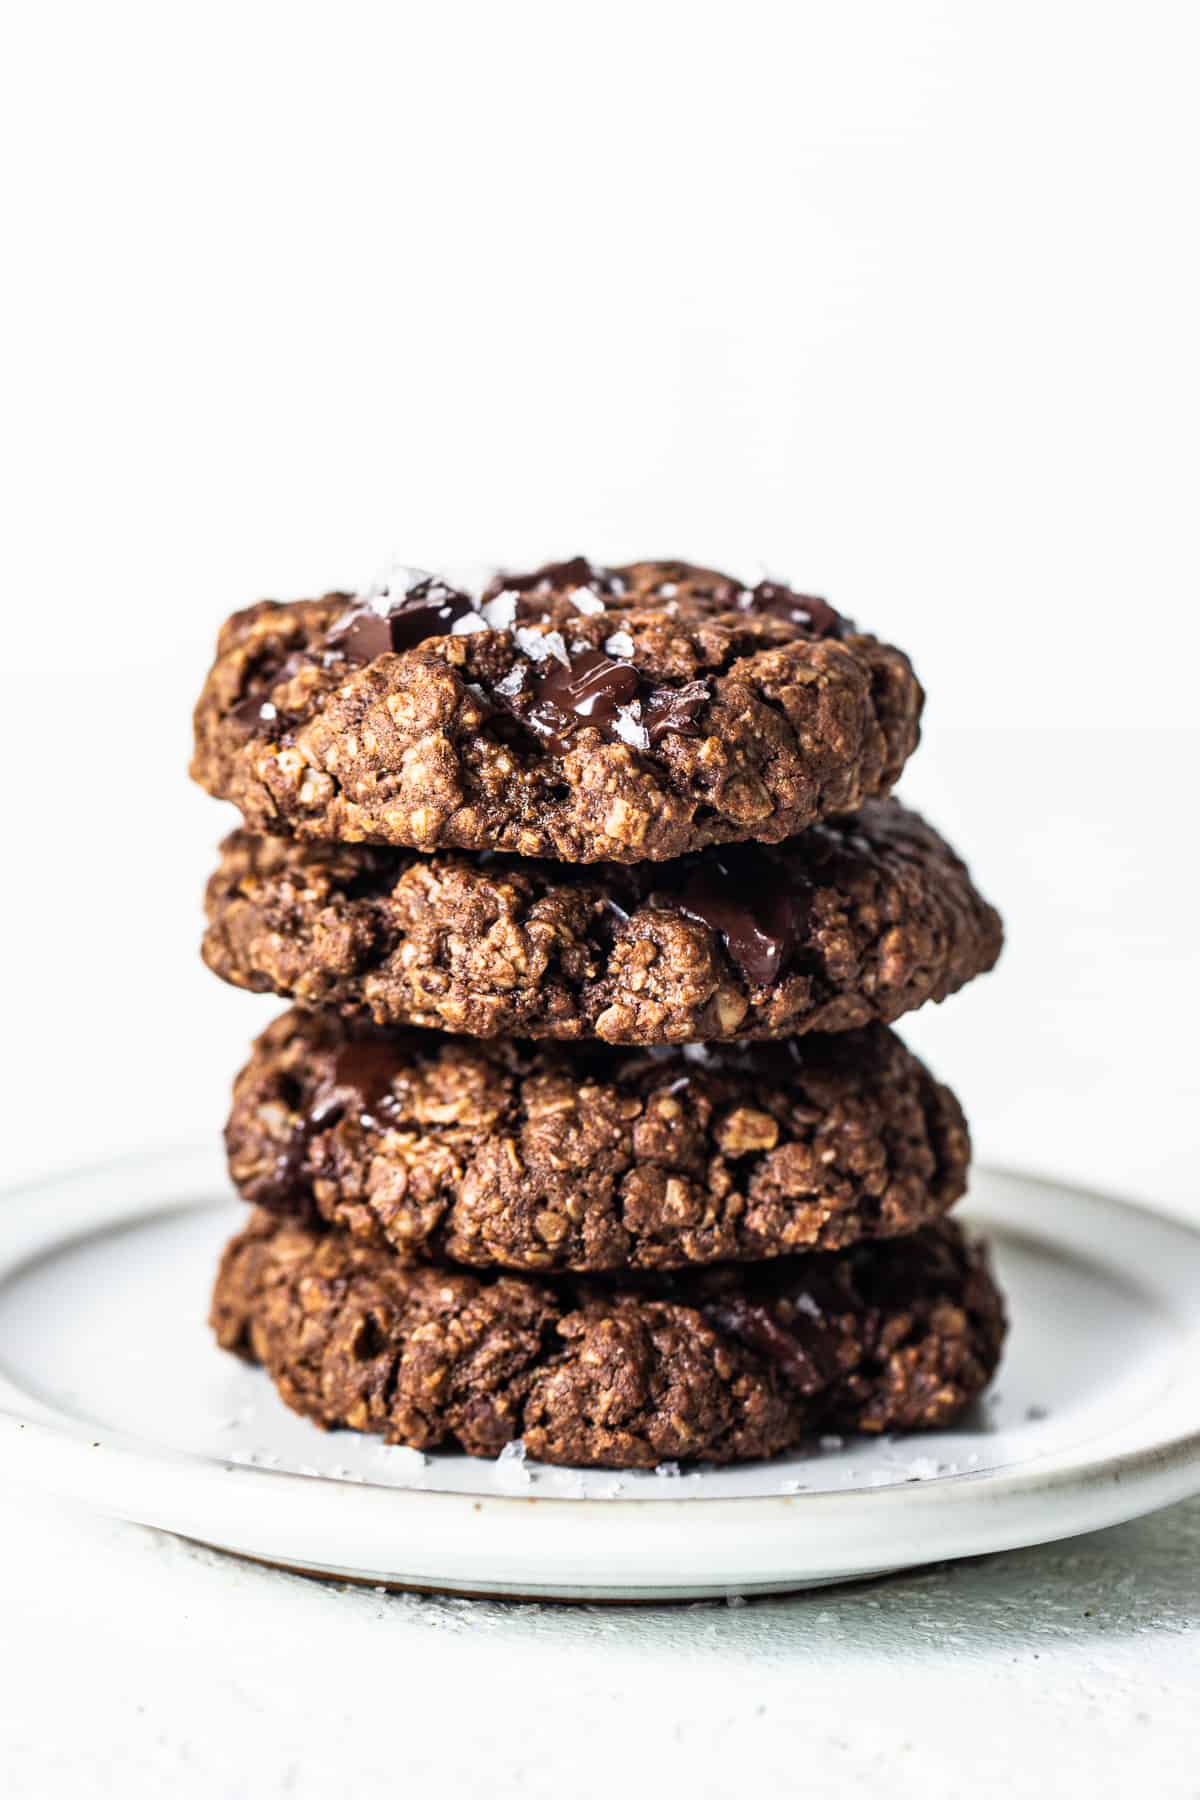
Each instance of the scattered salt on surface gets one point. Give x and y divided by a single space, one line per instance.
793 1487
619 644
402 1457
471 621
509 1467
922 1468
512 683
667 1468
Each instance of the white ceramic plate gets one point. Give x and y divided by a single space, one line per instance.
112 1392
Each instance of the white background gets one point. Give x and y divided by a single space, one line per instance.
898 299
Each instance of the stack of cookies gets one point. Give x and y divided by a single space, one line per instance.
587 1130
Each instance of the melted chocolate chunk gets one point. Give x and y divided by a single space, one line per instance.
740 894
429 609
804 610
588 691
674 709
286 1188
364 1069
256 713
795 1335
363 1073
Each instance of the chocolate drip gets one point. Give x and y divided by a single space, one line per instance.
590 690
805 610
674 709
598 690
428 609
741 894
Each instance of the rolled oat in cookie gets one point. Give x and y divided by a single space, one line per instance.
855 920
722 1365
587 1157
620 715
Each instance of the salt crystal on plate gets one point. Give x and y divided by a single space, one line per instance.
509 1467
666 1468
401 1458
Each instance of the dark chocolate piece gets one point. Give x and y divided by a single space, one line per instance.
801 1343
575 572
804 610
430 608
589 690
675 709
759 908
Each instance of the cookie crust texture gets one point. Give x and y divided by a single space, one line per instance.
721 1365
621 715
856 920
548 1157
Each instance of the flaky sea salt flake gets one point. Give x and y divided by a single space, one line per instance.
629 728
509 1467
539 645
584 601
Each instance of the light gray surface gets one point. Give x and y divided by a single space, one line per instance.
160 1666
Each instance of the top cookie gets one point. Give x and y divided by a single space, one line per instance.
584 714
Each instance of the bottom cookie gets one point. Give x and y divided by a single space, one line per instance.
722 1365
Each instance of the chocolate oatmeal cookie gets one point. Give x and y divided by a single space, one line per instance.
855 920
585 714
722 1365
531 1156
